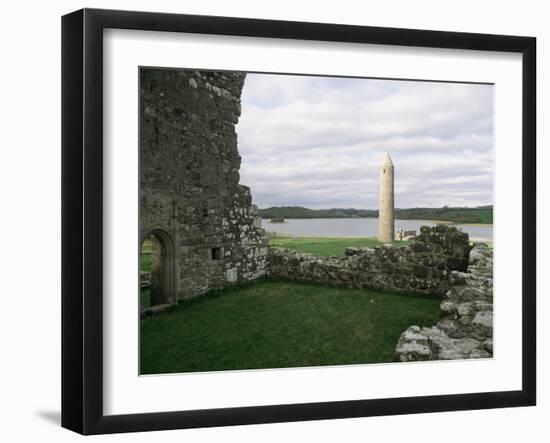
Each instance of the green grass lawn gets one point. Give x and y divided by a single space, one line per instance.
144 298
272 324
145 261
481 216
145 293
325 245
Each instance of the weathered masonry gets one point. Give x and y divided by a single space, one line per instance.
202 220
466 326
422 267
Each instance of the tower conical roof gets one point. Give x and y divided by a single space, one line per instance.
387 160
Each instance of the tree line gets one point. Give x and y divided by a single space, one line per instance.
480 214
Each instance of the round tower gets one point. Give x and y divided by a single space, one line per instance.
385 201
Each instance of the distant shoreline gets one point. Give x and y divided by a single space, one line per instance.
480 215
444 222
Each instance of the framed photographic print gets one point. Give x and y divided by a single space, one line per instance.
269 221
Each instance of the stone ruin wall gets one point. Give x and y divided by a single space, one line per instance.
421 267
190 196
438 262
466 326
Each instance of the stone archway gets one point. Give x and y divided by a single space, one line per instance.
191 187
158 262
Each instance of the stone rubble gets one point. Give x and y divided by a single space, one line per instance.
466 326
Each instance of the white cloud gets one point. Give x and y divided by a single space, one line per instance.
318 142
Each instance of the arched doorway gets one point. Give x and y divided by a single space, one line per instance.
157 266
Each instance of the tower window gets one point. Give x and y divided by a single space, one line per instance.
217 253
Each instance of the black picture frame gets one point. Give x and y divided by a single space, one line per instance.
82 216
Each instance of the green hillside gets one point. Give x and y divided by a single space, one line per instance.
301 212
481 214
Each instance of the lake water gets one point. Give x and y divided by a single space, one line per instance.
358 227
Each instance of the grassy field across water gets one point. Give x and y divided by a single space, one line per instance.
273 324
325 245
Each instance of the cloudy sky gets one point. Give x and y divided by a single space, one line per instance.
318 141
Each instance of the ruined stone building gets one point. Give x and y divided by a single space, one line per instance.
203 226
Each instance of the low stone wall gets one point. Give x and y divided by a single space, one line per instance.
422 267
466 326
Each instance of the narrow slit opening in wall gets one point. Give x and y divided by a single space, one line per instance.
217 253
